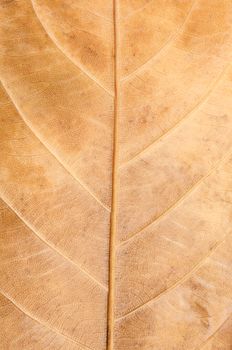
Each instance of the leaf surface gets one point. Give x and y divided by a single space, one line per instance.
115 174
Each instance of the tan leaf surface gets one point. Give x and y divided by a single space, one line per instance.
116 174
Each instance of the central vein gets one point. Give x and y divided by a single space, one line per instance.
112 258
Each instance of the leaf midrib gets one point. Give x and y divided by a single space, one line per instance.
112 239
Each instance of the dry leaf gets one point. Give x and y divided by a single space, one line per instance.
116 174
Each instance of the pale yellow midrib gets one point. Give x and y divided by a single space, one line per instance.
112 240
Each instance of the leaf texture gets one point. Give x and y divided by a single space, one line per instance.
116 174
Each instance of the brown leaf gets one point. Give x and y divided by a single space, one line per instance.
115 174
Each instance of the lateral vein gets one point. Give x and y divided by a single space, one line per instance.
28 314
180 200
43 142
212 87
50 245
177 284
82 69
171 38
